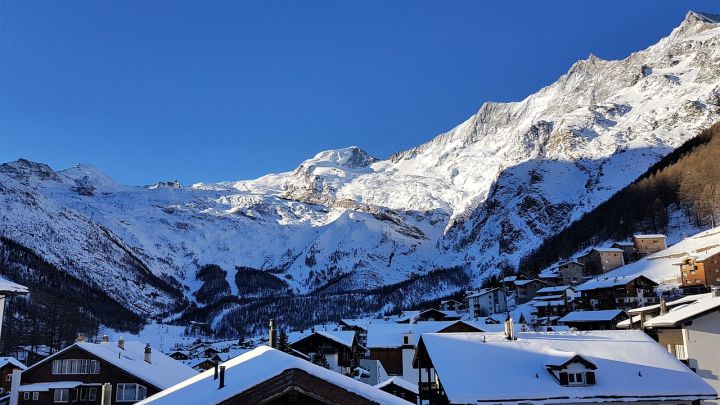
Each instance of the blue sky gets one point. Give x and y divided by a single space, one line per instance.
229 90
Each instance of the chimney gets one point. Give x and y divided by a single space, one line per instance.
663 306
216 370
80 337
222 377
273 335
105 339
715 291
121 343
148 353
509 331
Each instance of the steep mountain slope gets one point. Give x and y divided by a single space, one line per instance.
479 196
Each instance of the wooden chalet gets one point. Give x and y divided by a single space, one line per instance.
700 270
340 348
623 292
594 320
400 388
8 365
125 372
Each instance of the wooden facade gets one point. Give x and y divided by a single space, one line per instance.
621 296
6 377
700 274
89 392
347 357
296 387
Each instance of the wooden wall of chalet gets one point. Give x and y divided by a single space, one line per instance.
391 359
296 387
108 374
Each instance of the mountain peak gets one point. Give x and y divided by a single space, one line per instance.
695 16
87 175
23 169
350 157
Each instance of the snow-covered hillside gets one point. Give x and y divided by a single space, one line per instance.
479 196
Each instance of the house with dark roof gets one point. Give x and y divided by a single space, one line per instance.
8 365
340 349
125 372
400 388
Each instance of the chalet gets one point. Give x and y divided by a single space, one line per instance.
555 368
400 388
602 260
571 272
508 282
648 244
266 376
486 302
593 320
8 289
427 315
8 365
180 355
700 269
622 292
691 332
452 305
394 344
125 372
340 348
525 290
553 301
201 364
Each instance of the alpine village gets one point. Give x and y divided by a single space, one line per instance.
593 281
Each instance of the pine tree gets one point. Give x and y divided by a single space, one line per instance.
320 360
282 343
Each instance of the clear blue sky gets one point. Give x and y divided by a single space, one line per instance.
228 90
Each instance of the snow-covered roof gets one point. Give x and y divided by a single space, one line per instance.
391 335
44 387
7 286
558 288
523 282
607 281
683 313
400 382
650 236
4 361
509 279
343 337
607 250
549 303
630 367
162 372
682 300
253 368
591 316
482 292
624 243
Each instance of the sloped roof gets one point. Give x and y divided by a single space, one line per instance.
7 286
163 372
682 300
630 367
607 281
592 316
683 313
345 338
253 368
650 236
4 361
400 382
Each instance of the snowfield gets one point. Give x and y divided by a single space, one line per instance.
479 196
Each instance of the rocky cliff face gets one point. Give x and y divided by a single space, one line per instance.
479 196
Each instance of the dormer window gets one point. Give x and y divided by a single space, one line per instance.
575 371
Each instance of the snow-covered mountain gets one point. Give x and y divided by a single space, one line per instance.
479 196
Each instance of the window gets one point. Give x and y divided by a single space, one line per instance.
8 377
92 394
61 396
406 340
76 366
36 396
130 392
83 394
26 395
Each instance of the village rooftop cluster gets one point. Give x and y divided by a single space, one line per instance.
635 321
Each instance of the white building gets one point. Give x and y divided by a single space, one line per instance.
8 288
692 333
486 301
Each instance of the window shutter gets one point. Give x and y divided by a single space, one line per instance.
563 378
590 377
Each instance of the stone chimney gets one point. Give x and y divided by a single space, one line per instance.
105 339
273 335
80 337
715 291
148 353
121 343
663 306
